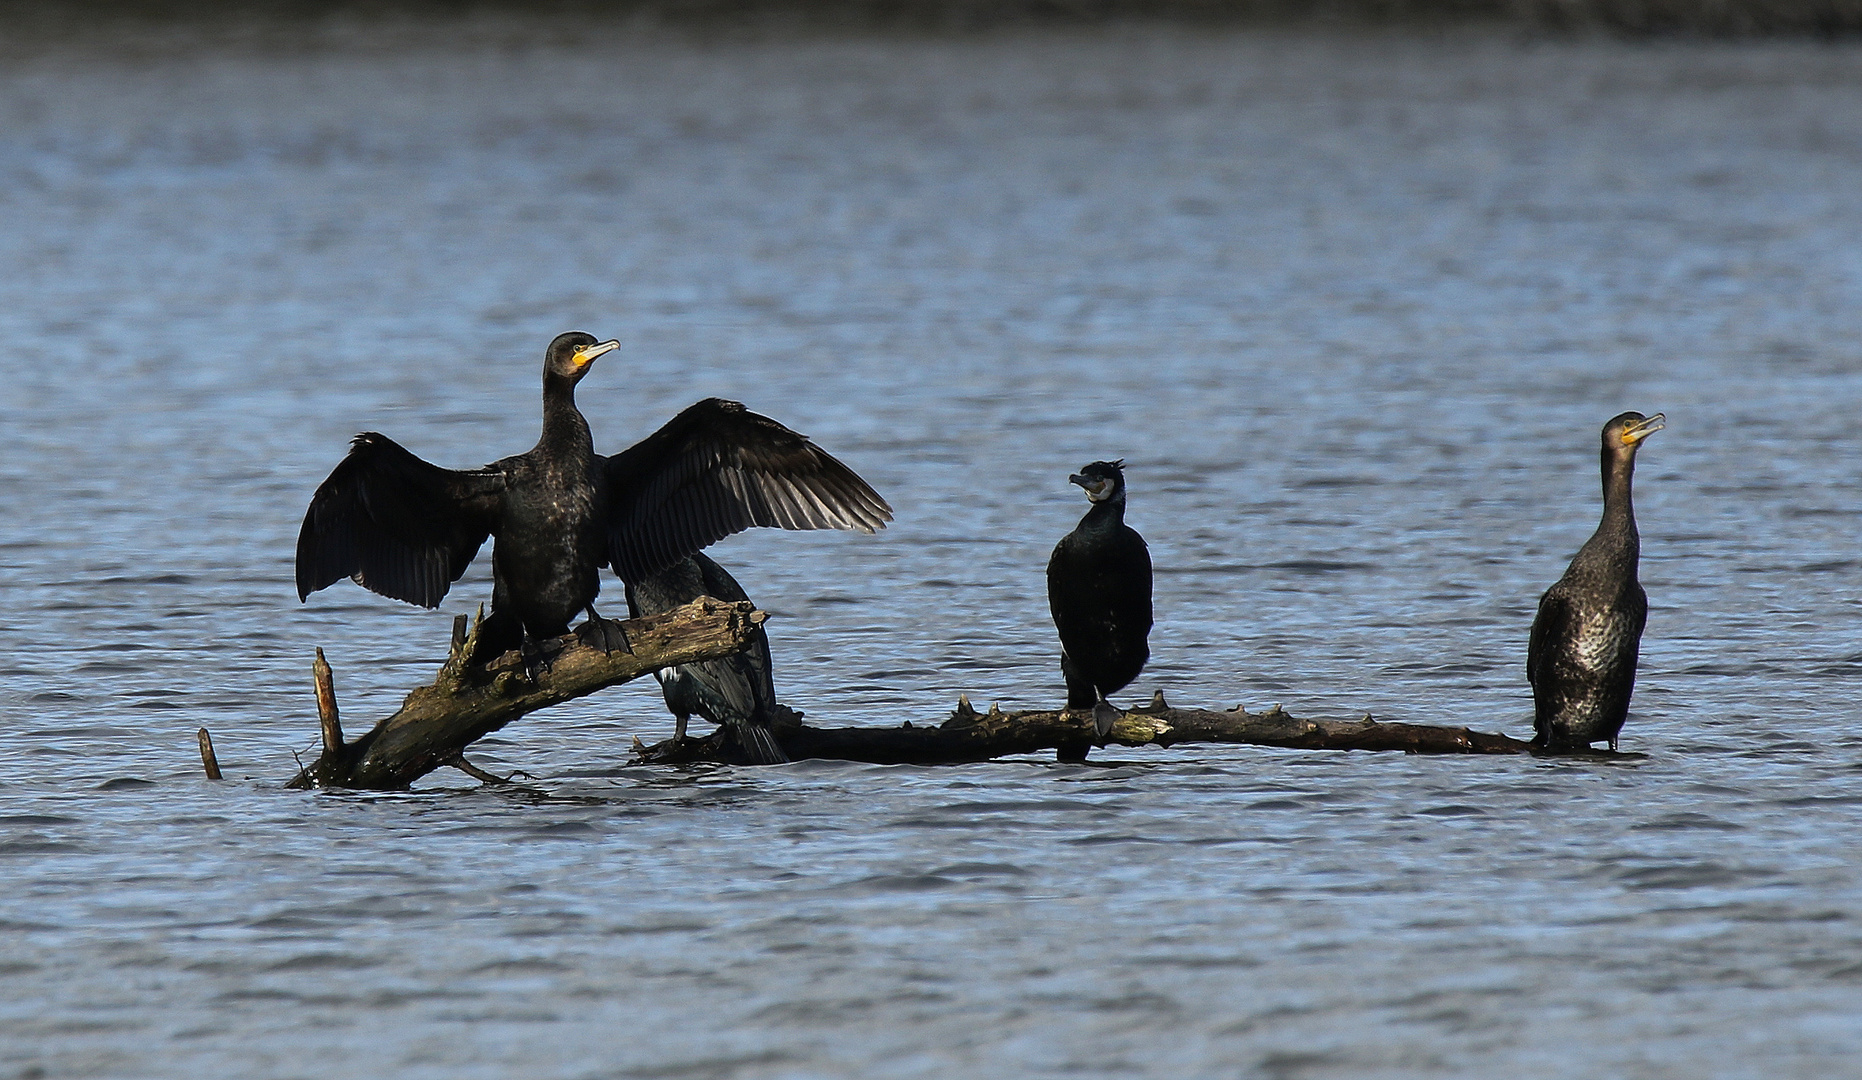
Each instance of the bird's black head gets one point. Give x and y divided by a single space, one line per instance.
1102 480
1623 432
570 355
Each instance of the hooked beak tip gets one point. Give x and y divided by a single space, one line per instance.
585 355
1646 428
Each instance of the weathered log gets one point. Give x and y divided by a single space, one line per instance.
465 703
970 736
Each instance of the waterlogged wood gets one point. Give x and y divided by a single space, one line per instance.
209 761
437 722
970 736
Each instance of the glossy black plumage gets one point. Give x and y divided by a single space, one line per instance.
735 691
717 469
398 525
1099 590
560 512
1581 658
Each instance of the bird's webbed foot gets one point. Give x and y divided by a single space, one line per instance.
605 634
539 657
1105 714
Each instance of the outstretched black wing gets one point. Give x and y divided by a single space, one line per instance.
395 523
716 469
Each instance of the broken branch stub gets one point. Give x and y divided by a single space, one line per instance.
463 704
209 761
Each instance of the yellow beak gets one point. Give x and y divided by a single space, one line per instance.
1645 429
585 355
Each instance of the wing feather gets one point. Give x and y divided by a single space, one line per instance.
717 469
396 524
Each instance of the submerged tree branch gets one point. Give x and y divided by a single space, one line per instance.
463 704
970 736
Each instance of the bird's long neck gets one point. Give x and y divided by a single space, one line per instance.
1616 535
564 429
1105 515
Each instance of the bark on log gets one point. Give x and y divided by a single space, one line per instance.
437 722
970 736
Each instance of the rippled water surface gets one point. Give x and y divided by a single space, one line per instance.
1354 309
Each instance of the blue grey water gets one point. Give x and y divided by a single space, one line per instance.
1352 305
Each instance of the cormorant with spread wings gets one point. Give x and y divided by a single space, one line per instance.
560 512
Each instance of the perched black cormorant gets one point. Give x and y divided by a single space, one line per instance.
560 512
1581 660
1099 588
734 691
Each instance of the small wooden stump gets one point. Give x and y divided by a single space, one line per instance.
209 761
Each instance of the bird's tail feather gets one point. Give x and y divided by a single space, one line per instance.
759 744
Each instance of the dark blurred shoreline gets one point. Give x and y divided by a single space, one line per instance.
21 19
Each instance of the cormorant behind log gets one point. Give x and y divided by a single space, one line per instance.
1581 660
1099 589
736 692
560 512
